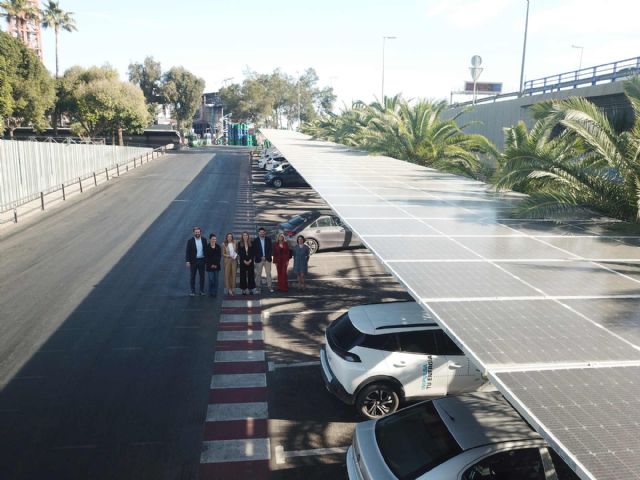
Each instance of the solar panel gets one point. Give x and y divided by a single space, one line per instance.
548 308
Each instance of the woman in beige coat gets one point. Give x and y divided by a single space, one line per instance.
230 256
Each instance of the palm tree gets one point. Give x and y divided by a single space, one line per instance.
418 133
18 13
588 165
54 17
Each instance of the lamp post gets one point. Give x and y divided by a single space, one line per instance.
581 52
384 39
298 75
524 48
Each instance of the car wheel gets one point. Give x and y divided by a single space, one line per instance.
313 245
277 183
377 400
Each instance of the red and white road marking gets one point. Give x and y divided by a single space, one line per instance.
236 441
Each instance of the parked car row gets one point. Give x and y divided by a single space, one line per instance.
378 357
279 172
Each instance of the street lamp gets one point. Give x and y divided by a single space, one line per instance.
581 52
524 48
384 39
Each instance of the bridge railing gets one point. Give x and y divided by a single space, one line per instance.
608 72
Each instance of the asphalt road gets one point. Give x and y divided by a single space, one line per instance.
105 361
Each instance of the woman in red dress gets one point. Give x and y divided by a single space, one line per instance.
281 259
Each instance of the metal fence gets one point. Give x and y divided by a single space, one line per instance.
31 169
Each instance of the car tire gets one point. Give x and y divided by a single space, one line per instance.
313 245
376 400
277 183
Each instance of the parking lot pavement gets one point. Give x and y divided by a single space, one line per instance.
310 429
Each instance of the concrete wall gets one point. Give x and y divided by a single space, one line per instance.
491 118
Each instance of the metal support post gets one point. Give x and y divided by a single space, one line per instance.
95 181
80 183
106 172
42 200
64 197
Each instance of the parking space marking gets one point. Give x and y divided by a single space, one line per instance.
240 302
236 317
235 450
240 356
336 279
281 455
276 366
234 335
304 312
239 380
236 411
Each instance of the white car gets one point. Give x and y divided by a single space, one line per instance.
476 436
274 162
267 155
377 356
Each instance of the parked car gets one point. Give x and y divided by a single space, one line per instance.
267 155
476 436
287 177
378 356
322 229
272 163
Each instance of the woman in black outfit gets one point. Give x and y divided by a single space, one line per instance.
212 254
247 275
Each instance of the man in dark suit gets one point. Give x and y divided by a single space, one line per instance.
263 253
195 256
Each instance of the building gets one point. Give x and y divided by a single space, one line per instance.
209 115
27 29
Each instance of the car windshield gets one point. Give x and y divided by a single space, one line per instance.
292 223
415 440
344 334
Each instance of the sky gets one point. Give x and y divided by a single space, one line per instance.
342 40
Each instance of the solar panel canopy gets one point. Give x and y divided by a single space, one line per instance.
550 309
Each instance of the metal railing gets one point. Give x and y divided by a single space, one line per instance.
608 72
32 170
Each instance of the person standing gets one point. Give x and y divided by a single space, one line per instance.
247 273
196 246
230 263
263 257
212 256
300 260
281 259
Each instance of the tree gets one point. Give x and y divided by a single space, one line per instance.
54 17
182 90
148 76
574 158
26 90
98 103
276 99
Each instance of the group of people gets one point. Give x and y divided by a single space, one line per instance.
250 256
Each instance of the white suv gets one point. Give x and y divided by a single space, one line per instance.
377 356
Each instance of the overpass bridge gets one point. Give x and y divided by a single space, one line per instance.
602 84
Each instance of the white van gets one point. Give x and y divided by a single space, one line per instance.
377 356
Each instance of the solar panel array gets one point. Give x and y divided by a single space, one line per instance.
550 309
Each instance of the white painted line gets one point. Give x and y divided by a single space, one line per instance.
276 366
282 456
221 412
240 302
240 317
241 335
240 356
235 450
307 312
335 279
239 380
546 297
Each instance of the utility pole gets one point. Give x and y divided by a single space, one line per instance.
524 49
384 39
